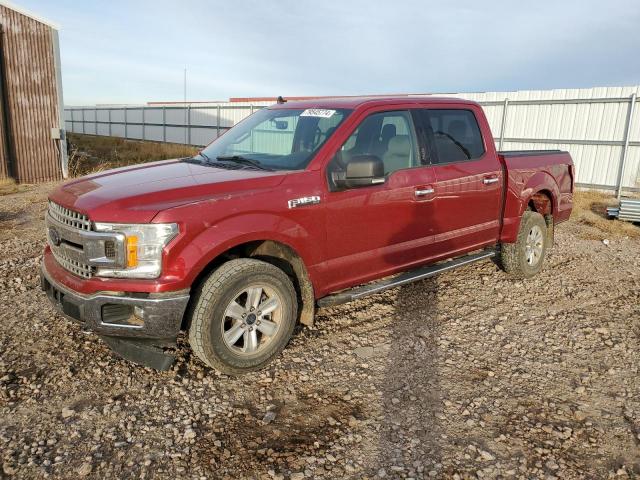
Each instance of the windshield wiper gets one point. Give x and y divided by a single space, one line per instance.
202 154
244 160
195 159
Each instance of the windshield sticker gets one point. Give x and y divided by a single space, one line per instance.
317 112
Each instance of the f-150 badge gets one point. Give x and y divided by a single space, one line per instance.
300 202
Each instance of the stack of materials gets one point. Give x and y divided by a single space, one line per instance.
628 210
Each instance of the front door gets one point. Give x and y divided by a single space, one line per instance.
380 229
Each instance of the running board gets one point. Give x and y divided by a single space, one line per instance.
407 277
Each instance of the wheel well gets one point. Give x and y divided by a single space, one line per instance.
541 202
275 253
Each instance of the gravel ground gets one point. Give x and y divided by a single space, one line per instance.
469 375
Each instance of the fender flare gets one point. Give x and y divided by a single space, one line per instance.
215 241
517 203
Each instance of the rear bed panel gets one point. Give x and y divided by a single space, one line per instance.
530 172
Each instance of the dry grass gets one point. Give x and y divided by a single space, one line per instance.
589 208
90 154
9 186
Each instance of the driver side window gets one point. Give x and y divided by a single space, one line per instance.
386 135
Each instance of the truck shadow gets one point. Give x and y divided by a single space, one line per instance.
411 434
411 394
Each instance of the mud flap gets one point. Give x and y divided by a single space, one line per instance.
145 352
550 230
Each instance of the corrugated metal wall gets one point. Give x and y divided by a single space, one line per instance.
31 91
5 167
590 123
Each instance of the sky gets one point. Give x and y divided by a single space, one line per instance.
136 51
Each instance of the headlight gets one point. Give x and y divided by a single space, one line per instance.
143 246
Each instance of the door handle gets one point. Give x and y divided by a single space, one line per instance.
489 181
424 191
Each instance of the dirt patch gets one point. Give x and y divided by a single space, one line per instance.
467 375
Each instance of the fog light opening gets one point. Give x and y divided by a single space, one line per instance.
120 315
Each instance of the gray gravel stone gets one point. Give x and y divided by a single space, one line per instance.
466 375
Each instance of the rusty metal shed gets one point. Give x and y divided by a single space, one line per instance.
32 137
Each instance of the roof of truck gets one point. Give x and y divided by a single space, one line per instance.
353 102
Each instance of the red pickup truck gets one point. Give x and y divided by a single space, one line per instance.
301 205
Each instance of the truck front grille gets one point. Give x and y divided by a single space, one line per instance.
75 267
73 221
69 217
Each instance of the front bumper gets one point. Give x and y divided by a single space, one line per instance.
115 314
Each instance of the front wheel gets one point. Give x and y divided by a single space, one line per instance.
524 258
244 315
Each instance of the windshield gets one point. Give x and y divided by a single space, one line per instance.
279 139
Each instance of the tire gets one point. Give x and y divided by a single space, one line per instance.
525 257
223 311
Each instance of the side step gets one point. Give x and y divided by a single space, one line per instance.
407 277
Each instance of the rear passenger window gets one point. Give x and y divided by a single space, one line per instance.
456 135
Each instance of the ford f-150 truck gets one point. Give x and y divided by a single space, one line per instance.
302 205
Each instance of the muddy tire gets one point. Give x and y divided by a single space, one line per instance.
244 315
525 257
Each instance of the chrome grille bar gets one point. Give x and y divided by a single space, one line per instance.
76 221
75 267
77 247
69 217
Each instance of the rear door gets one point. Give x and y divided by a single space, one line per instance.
468 179
380 229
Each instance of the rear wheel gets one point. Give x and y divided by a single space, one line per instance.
525 257
244 315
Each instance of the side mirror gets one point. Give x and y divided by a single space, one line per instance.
363 171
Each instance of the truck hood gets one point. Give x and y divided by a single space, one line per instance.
136 194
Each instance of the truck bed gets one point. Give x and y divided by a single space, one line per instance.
529 171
